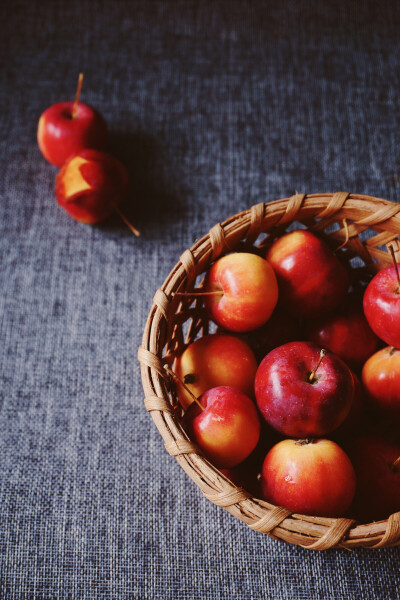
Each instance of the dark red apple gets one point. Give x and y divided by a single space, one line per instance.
228 429
382 306
90 185
312 477
346 333
312 281
381 380
279 329
299 401
244 289
378 478
354 421
63 131
215 360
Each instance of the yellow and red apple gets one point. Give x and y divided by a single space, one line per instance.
310 476
244 291
212 361
228 429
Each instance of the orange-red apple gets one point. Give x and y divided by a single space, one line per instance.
215 360
228 429
65 129
381 380
90 185
313 477
312 281
245 291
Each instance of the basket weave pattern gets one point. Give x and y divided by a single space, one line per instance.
175 321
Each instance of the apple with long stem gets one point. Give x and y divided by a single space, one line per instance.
240 291
91 185
66 128
382 303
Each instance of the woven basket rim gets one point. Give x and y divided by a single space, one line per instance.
363 211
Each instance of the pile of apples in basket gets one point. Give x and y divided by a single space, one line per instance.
296 397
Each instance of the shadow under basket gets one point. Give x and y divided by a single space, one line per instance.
361 226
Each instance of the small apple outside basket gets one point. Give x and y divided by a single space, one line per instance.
175 321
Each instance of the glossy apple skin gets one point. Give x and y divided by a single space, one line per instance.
381 380
228 429
345 333
382 306
249 291
378 483
311 477
293 405
90 184
60 135
215 360
312 281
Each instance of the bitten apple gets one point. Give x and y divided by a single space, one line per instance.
301 392
65 129
228 429
244 291
312 477
90 185
378 478
382 306
346 333
312 281
381 380
215 360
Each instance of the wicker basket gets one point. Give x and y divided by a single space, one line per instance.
175 321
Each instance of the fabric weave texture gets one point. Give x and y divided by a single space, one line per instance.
212 106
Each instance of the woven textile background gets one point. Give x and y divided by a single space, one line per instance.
213 106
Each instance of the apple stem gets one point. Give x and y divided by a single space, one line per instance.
396 266
179 380
126 221
198 292
312 374
77 95
395 464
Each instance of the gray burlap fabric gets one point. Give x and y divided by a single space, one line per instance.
213 106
